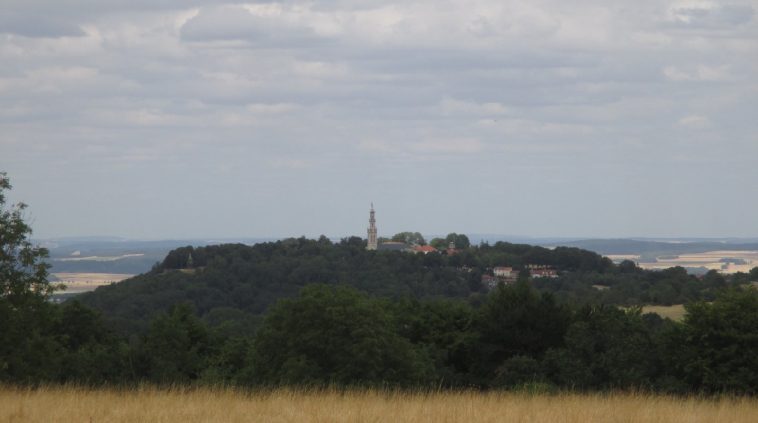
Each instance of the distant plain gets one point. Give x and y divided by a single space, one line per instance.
722 261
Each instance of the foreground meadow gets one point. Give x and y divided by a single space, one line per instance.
66 404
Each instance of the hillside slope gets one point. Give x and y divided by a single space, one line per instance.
236 283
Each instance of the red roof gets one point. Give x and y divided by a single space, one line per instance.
425 249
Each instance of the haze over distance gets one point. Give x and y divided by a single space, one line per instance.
211 119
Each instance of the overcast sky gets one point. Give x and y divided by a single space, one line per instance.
183 119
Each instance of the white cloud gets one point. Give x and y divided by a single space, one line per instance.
258 24
710 15
447 146
453 107
695 122
698 73
276 108
290 163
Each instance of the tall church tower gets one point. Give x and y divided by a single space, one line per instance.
371 230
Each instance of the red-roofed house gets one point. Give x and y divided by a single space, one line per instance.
424 249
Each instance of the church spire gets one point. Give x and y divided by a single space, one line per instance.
372 244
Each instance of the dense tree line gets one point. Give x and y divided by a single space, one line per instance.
335 335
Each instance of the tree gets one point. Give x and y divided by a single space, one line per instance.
606 347
28 353
333 336
177 346
754 274
460 241
628 266
413 238
517 321
716 347
438 243
23 271
90 353
443 328
40 341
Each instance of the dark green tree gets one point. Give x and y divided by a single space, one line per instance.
606 347
230 363
460 241
333 336
444 329
716 349
177 347
412 238
516 320
23 270
91 354
438 243
28 353
754 274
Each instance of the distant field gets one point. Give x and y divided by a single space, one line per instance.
83 282
222 405
673 312
99 258
710 260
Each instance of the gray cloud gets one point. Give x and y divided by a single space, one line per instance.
540 118
237 23
37 25
721 16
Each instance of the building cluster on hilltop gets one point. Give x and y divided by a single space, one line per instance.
490 279
374 244
541 271
507 274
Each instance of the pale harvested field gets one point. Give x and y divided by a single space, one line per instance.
83 282
190 406
620 257
673 312
709 260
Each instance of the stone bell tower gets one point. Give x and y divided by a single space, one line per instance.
371 230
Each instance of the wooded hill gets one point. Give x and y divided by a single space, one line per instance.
232 285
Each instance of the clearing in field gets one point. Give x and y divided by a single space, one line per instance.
66 404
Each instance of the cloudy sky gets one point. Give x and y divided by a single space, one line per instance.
182 118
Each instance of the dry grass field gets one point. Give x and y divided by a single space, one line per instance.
710 260
83 282
673 312
223 405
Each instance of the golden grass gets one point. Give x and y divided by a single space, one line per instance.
674 312
67 404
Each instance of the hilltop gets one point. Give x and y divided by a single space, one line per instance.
237 282
234 284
